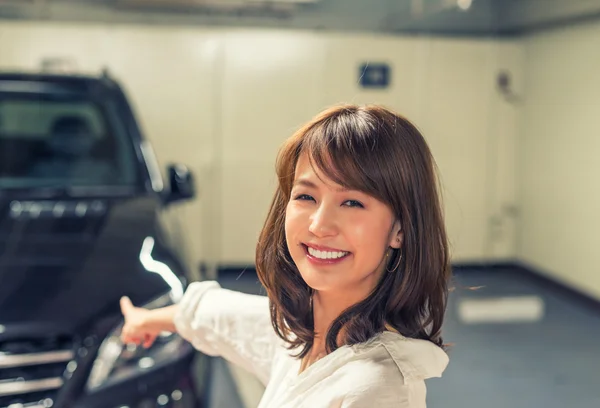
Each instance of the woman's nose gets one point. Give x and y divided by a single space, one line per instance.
322 222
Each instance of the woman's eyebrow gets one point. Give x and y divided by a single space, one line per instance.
307 183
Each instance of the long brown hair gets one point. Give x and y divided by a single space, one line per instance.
376 151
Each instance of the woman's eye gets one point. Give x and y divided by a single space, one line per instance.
353 203
304 197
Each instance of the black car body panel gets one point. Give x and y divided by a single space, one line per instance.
78 232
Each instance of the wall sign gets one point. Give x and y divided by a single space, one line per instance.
374 75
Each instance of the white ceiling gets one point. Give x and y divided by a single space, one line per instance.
483 17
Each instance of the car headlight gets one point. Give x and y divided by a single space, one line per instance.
117 362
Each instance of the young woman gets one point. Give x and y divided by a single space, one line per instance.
354 258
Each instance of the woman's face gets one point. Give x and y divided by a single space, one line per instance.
337 238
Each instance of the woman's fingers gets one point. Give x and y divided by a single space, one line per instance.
146 341
126 305
133 330
128 339
149 340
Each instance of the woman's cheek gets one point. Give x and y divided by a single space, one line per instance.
293 221
366 234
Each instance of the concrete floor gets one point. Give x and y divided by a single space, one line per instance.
530 360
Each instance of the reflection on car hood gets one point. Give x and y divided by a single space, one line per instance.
63 263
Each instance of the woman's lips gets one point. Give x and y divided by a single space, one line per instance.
318 254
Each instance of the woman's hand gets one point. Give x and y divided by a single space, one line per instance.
137 328
142 326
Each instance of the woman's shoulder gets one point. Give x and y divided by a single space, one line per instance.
390 354
389 370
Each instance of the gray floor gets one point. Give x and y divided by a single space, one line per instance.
551 363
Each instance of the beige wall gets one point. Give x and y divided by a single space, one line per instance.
222 101
559 160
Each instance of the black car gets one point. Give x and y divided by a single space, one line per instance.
85 219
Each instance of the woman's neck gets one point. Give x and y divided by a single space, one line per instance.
327 307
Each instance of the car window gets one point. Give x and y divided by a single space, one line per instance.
53 140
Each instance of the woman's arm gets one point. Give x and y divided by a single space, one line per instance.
218 322
230 324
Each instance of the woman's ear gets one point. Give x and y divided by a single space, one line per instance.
397 236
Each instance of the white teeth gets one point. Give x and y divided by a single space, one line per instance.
325 254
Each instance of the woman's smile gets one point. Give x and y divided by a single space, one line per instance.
321 255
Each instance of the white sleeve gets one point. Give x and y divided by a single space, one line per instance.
412 395
229 324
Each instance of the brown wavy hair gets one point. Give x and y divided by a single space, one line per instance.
376 151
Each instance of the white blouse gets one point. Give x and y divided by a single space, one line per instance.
387 371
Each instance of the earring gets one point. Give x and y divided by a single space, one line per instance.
397 265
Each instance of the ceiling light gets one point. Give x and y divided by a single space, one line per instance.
464 4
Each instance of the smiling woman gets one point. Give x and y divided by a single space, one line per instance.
361 181
355 262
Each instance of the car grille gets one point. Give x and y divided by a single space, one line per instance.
32 371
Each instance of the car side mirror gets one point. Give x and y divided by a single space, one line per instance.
181 183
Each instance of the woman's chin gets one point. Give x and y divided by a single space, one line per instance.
322 281
330 281
317 280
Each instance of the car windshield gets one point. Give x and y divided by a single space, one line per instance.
62 140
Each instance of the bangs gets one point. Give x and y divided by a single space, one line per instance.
344 149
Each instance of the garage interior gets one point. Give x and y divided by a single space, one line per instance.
505 92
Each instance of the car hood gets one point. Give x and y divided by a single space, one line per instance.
63 264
